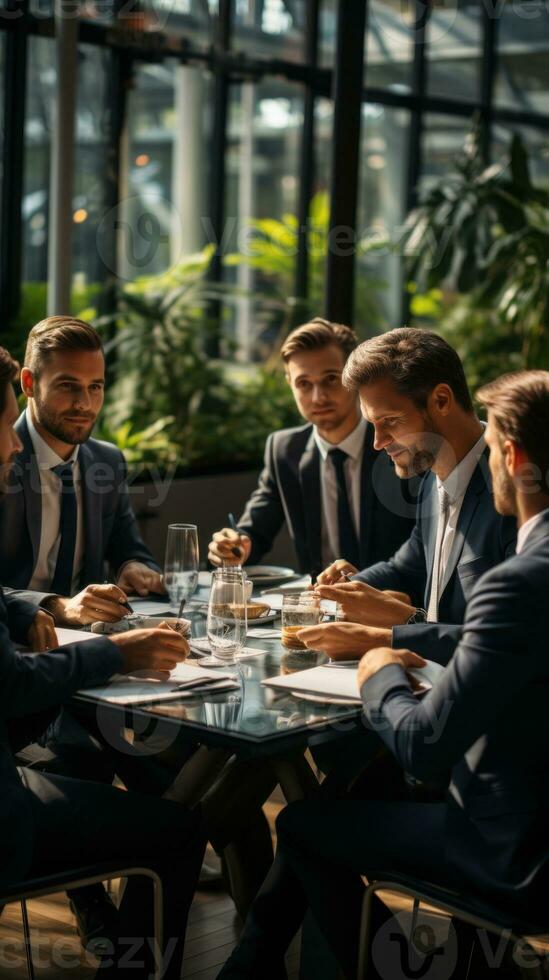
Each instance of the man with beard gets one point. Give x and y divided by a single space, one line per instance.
67 512
49 823
413 390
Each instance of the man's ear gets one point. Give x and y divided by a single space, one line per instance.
513 455
27 382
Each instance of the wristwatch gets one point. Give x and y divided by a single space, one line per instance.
418 616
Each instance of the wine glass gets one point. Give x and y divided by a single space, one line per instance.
227 614
181 563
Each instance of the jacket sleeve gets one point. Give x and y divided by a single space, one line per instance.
497 657
264 513
434 641
404 572
125 543
30 683
21 609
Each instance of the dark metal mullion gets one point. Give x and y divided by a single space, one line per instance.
489 67
415 135
348 75
307 163
218 171
11 228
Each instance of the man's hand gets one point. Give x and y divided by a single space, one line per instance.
343 641
42 635
159 649
229 547
382 656
138 579
362 603
402 596
96 603
336 572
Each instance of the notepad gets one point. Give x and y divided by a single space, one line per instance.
186 680
341 682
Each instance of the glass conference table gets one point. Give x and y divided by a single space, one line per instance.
250 721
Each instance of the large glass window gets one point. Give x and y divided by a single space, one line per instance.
522 78
454 47
382 202
271 28
390 44
443 140
162 216
265 129
41 82
536 142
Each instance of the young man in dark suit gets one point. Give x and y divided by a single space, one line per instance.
488 838
49 823
413 390
67 513
335 491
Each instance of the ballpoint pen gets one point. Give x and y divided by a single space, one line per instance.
125 604
237 552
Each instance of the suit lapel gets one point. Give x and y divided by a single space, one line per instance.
477 484
309 477
367 496
30 481
93 543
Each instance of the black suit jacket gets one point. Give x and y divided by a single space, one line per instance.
110 528
490 713
30 684
483 539
289 490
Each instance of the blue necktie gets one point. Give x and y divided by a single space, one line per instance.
62 578
348 542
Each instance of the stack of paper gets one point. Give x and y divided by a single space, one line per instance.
338 682
186 680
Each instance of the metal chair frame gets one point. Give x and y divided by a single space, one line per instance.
40 887
442 904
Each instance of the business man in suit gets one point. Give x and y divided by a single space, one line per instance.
67 513
325 479
413 391
48 823
489 837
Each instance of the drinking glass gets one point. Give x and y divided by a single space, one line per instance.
181 562
298 611
227 614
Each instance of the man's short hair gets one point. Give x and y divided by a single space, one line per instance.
519 404
9 370
59 333
415 360
316 335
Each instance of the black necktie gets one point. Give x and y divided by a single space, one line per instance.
62 578
347 536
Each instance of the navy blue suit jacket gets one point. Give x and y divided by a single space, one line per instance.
110 528
289 490
30 684
483 539
490 712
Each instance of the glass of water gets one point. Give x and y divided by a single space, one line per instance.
181 562
227 614
298 611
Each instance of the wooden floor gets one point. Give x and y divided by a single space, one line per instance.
212 933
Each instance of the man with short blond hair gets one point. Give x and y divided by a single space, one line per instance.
335 493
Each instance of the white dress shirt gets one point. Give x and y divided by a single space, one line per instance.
50 536
526 529
353 445
455 486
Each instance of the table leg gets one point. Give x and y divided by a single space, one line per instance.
297 779
197 776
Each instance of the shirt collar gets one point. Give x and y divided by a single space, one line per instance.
526 529
353 444
458 480
45 456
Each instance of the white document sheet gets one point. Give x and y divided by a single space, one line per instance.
341 682
186 680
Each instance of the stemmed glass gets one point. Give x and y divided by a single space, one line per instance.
181 563
227 614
